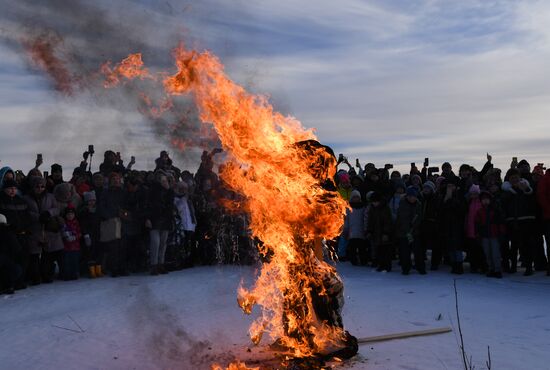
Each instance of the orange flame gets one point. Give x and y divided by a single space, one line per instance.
235 366
290 212
129 68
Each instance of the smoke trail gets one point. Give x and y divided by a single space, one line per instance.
69 40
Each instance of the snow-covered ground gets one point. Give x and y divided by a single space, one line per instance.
189 320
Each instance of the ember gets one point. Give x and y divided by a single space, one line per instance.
281 171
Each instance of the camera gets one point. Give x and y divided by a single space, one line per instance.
388 166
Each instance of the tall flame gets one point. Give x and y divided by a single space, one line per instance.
290 212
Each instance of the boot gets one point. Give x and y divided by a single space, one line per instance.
98 271
92 272
528 271
162 269
154 270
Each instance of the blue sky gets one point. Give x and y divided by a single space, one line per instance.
384 81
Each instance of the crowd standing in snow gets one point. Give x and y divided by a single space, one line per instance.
489 219
119 220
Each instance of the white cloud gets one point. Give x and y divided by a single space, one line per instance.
382 81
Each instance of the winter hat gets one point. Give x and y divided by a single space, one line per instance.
430 185
369 195
538 170
89 195
355 193
9 183
3 220
70 208
343 177
57 168
412 191
446 165
375 197
523 162
416 177
474 189
465 167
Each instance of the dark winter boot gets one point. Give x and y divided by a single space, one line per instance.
154 270
162 269
528 271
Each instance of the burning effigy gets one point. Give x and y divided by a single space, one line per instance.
284 176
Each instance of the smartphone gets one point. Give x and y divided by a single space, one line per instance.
426 162
433 169
357 162
46 174
514 159
413 164
91 149
39 157
132 159
340 157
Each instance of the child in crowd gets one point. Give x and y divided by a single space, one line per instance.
71 241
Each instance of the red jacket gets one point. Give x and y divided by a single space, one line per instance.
488 223
543 195
71 235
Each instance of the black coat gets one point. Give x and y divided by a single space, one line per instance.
111 202
452 215
380 223
16 211
409 218
161 210
519 206
90 224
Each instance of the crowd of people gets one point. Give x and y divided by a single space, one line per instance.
119 220
490 219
